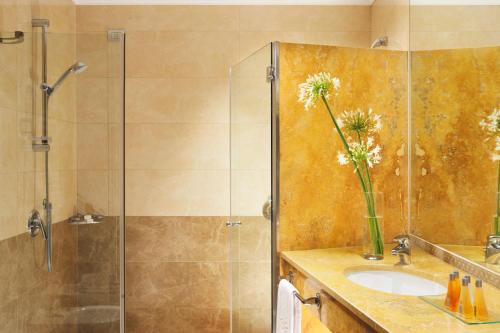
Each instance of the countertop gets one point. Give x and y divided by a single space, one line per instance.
383 311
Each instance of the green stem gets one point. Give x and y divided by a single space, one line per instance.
374 227
496 230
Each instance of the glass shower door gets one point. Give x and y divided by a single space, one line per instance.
251 188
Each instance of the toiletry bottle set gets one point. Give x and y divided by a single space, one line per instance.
462 298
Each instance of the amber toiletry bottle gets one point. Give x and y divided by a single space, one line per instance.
467 308
455 294
449 294
480 306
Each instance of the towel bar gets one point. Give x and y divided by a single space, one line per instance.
311 300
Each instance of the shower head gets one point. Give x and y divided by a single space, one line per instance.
381 41
76 68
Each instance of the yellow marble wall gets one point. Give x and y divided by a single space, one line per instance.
321 204
453 178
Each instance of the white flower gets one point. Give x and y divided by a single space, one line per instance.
491 123
342 159
316 86
362 152
358 122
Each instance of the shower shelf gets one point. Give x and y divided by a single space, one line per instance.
80 219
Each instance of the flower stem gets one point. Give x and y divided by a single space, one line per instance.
373 225
496 228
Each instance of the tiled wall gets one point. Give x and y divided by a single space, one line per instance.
320 201
31 299
447 27
177 155
391 18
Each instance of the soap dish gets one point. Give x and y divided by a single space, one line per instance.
86 219
437 302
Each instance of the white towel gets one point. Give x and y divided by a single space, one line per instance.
289 312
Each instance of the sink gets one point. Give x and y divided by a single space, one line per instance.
395 282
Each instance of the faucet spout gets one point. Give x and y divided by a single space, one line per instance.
492 250
403 249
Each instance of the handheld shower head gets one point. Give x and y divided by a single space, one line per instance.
76 68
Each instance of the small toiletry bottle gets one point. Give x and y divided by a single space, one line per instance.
449 294
455 296
481 310
467 308
471 289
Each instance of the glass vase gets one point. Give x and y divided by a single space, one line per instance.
373 226
495 227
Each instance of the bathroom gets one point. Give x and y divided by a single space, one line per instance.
170 166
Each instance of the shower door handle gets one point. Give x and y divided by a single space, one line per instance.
267 208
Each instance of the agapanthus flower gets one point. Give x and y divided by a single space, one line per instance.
358 122
317 86
362 151
491 123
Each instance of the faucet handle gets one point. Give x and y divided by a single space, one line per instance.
402 240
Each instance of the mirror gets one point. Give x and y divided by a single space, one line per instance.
455 108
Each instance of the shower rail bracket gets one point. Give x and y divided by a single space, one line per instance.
41 143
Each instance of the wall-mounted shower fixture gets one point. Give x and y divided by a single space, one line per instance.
18 38
381 41
42 143
76 68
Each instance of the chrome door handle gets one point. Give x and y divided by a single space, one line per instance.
267 208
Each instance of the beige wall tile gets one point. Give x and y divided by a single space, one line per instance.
177 146
177 100
93 191
249 191
159 54
92 49
63 147
304 18
177 193
8 76
445 27
391 18
9 225
251 146
8 140
92 100
455 18
92 146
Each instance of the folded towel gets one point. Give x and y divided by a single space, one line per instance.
289 312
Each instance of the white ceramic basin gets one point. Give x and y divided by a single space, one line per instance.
396 283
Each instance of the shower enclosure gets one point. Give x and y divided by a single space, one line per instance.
254 142
64 276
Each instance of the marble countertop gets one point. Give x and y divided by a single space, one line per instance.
383 311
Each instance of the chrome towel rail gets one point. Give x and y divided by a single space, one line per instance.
316 300
18 38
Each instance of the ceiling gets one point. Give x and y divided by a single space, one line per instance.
282 2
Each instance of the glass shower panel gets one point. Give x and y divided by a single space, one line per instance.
85 121
250 227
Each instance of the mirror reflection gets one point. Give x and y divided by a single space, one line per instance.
455 100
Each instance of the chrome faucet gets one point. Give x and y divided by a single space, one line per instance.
492 250
403 249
